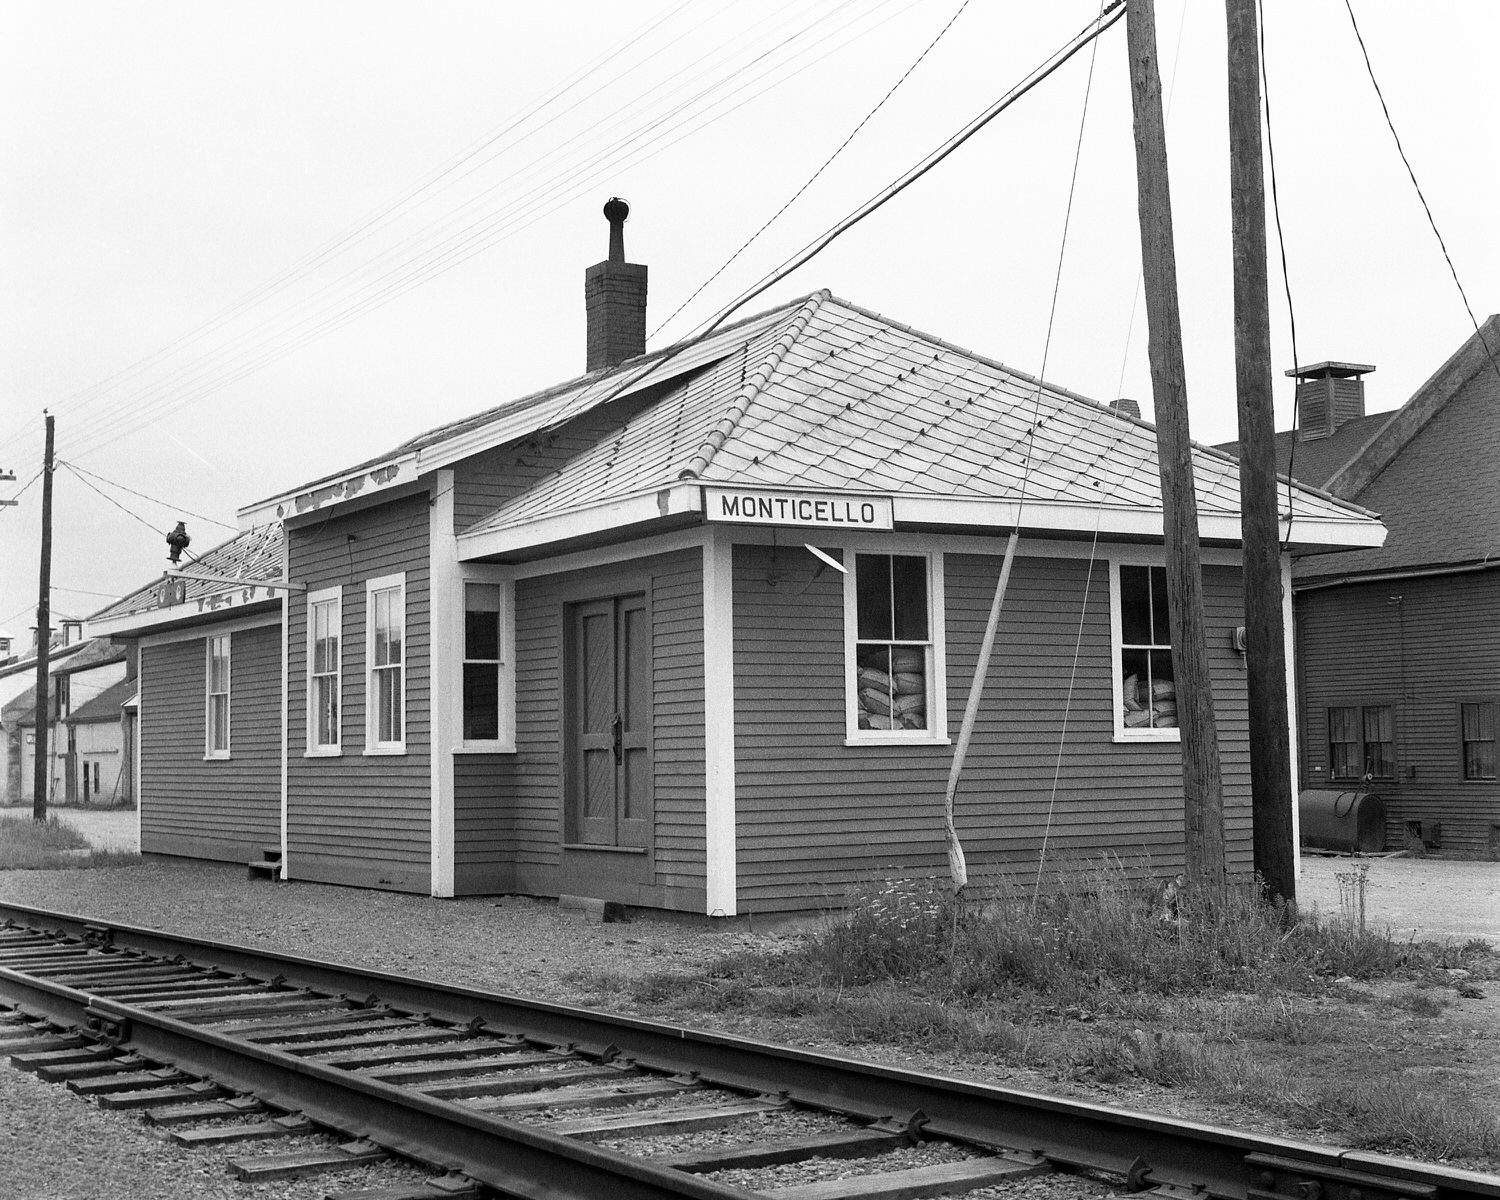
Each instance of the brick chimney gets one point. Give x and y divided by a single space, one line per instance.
614 294
1328 394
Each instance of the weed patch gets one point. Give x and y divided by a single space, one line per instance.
50 845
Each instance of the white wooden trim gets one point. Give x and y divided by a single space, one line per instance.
372 718
233 625
445 663
310 747
616 552
1133 557
286 733
201 609
936 732
323 495
719 816
499 577
1289 649
586 522
209 753
140 739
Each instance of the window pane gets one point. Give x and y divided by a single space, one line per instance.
1135 606
1478 722
872 587
1161 625
326 711
388 704
892 698
909 597
481 702
1344 758
482 635
1378 724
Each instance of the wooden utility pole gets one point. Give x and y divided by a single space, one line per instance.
1203 793
41 772
1265 645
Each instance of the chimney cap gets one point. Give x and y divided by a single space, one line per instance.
1331 370
616 209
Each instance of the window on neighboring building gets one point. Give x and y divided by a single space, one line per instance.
324 639
1148 684
1362 741
385 658
482 660
893 685
216 744
1477 723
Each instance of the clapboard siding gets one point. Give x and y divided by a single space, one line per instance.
485 481
1423 646
354 818
816 816
226 809
483 824
532 791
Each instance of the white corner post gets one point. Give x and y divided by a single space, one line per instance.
721 887
1289 648
286 733
445 667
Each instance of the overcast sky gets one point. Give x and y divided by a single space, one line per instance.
220 269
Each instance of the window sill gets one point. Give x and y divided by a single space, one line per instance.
897 739
216 757
604 849
1147 736
485 748
384 751
326 752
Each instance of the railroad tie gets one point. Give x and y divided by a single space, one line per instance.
186 1114
130 1082
659 1122
293 1125
306 1162
939 1179
855 1143
444 1187
198 1090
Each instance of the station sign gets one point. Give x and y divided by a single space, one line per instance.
822 510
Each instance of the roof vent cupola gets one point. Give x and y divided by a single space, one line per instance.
614 294
1328 394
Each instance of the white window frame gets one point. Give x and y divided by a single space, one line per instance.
210 751
384 583
505 742
312 747
1123 733
936 732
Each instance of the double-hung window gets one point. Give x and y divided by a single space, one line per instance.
893 686
1477 733
325 620
1361 742
216 701
385 665
1147 703
483 658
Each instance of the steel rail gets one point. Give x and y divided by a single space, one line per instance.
1151 1151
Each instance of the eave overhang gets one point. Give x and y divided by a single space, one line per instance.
1114 522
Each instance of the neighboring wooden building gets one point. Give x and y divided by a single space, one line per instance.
590 642
1399 646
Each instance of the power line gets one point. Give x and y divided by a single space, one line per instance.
111 499
813 178
433 251
1115 10
154 500
1401 150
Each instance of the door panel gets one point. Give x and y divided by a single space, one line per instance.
609 733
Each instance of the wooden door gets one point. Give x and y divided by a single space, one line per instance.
609 734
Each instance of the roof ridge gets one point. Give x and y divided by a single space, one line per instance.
719 434
1435 394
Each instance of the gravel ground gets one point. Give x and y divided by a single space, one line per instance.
52 1145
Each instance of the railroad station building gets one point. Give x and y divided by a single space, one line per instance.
695 631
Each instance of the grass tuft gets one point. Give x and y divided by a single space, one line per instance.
50 845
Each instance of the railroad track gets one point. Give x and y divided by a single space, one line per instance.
531 1099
